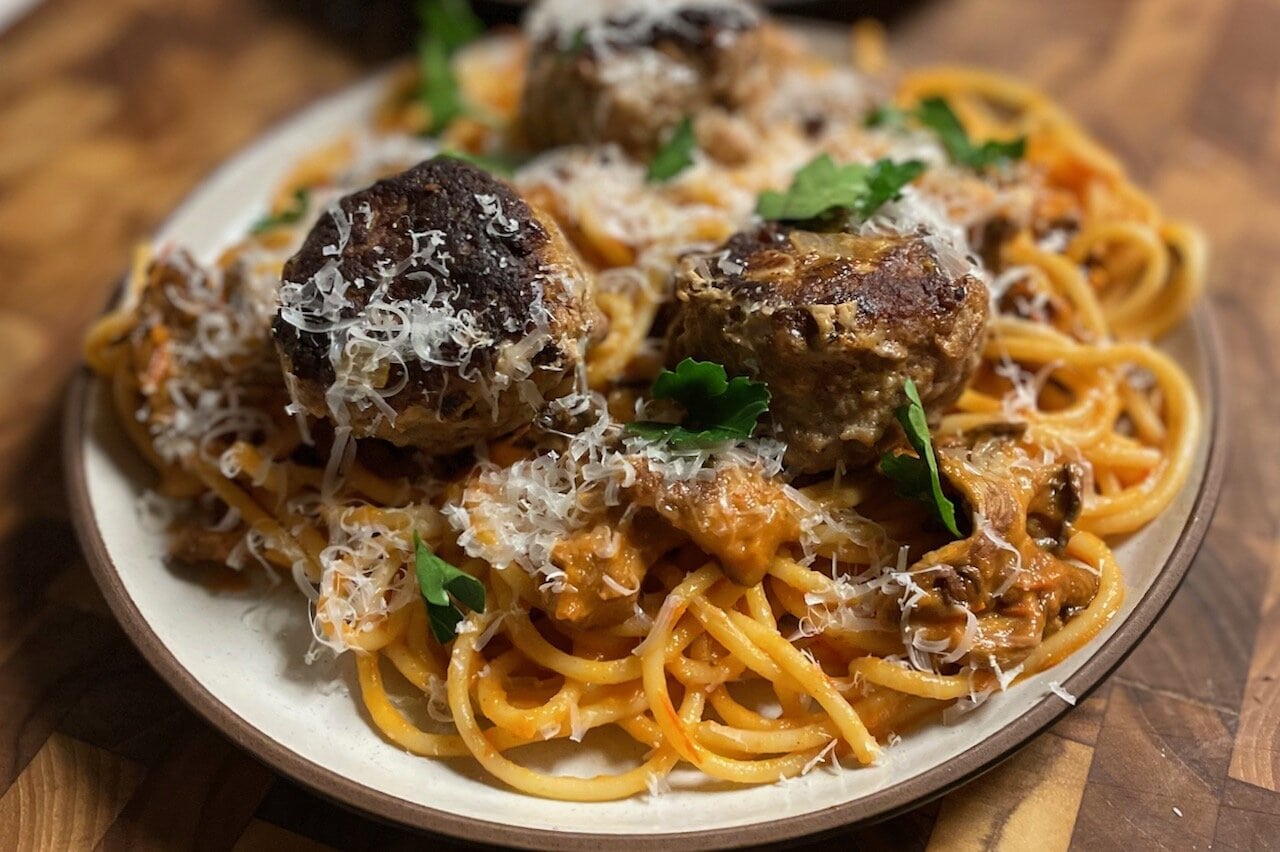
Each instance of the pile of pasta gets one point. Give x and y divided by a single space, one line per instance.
1069 357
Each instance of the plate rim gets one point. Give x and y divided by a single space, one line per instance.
875 806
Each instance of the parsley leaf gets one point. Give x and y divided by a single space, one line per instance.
287 216
886 115
447 25
918 478
578 44
438 90
822 187
500 164
717 408
936 114
675 155
818 187
885 180
451 22
437 580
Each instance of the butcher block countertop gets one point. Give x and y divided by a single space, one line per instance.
111 111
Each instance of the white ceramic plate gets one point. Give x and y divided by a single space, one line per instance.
238 658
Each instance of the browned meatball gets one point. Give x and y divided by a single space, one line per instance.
629 72
835 324
433 309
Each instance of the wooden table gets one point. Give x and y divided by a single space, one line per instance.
112 110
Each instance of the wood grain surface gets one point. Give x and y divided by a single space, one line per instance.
112 110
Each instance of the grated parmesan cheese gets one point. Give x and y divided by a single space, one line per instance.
577 726
664 622
984 526
1002 677
366 572
630 22
658 785
828 751
1056 689
518 514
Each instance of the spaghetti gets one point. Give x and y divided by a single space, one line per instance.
858 627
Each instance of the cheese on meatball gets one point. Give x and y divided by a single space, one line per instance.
434 309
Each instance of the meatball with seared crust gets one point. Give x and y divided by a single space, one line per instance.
433 309
835 324
628 71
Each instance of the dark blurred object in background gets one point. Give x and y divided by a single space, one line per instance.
380 29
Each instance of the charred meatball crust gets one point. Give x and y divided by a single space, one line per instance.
449 241
632 80
834 324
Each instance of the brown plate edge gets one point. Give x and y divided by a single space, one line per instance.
876 806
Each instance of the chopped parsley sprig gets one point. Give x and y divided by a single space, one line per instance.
501 164
936 114
443 587
675 155
717 408
447 25
578 43
823 188
886 115
288 216
917 477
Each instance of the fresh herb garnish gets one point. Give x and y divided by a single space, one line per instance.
503 165
936 114
437 580
918 478
447 25
886 115
676 154
577 44
822 187
884 182
295 211
717 408
451 22
438 89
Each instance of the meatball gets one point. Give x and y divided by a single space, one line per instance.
433 309
628 72
835 324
